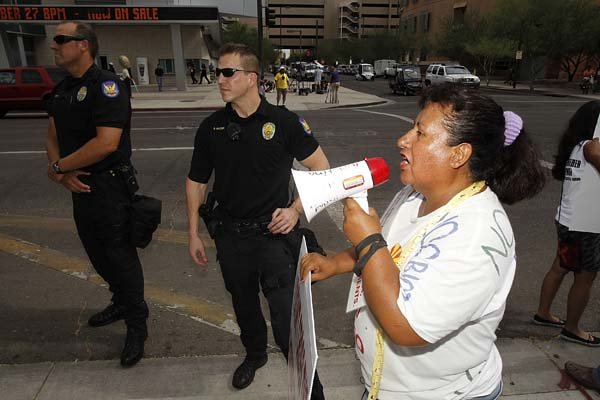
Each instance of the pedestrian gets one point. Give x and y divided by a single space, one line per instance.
588 79
318 79
88 147
586 376
125 74
159 72
578 252
282 83
211 71
192 70
334 85
250 145
437 269
111 68
203 74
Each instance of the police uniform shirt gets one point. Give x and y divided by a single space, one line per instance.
252 174
79 105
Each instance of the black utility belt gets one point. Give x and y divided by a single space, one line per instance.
247 228
121 169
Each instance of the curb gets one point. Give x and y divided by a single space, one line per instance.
373 103
526 92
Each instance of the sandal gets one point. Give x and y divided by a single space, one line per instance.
547 322
591 341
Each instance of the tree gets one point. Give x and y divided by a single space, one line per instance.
487 49
571 30
454 36
242 33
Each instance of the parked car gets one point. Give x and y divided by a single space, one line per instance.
390 72
364 72
307 73
440 73
25 88
407 81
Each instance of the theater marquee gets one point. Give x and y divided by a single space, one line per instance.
98 14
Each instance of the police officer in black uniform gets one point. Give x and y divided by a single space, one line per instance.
89 150
250 145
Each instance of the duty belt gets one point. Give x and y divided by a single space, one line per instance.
249 228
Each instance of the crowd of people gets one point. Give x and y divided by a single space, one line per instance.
435 270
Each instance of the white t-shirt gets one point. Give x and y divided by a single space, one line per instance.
571 190
453 293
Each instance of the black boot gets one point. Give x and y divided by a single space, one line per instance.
134 347
244 374
110 314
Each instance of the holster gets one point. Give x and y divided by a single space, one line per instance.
208 215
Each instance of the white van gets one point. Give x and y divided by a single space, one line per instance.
381 65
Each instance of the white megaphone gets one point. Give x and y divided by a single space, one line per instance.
319 189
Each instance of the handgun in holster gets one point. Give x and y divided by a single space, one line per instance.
207 212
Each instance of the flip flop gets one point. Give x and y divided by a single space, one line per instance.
548 322
591 341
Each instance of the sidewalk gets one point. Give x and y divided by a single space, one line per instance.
206 96
532 371
557 89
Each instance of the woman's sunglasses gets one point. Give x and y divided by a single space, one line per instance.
62 39
228 72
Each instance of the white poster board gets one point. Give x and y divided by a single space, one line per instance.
302 358
588 200
142 70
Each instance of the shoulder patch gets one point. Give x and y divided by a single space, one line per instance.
110 89
305 126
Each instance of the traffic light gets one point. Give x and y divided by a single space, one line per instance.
270 17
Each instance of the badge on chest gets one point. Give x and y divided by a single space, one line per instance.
268 131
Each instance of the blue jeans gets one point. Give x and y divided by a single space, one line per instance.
159 81
492 396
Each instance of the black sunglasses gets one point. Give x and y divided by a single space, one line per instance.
62 39
228 72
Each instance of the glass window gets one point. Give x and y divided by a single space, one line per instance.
8 77
31 76
458 70
434 71
440 71
167 65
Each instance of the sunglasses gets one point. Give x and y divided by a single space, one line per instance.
228 72
62 39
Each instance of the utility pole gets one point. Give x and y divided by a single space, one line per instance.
316 39
259 9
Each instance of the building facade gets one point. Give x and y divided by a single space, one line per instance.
300 24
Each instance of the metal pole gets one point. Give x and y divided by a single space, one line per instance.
280 34
301 50
316 39
260 36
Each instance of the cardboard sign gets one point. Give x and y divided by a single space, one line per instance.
302 357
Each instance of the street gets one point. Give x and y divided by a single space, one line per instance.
49 290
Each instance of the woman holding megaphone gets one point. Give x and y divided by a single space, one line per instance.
432 276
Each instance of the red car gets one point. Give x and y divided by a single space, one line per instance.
24 88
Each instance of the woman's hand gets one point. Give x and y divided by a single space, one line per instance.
321 267
357 223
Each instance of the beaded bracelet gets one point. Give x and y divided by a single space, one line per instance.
362 262
375 237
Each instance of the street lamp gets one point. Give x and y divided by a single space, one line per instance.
300 32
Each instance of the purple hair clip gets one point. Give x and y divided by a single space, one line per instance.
512 127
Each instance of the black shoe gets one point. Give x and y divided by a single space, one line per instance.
244 374
134 348
110 314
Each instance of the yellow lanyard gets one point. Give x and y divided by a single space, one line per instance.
458 199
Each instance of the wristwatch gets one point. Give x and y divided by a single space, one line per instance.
56 167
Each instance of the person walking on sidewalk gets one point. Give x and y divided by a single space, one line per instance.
89 149
159 73
578 252
282 83
586 376
203 74
192 70
334 85
250 145
437 268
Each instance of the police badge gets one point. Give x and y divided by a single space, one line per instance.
81 93
268 130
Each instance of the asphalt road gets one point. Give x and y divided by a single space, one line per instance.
49 290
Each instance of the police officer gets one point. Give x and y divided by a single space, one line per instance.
89 148
250 145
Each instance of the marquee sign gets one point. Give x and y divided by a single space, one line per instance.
98 14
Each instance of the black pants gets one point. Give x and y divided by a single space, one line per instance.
102 223
249 264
